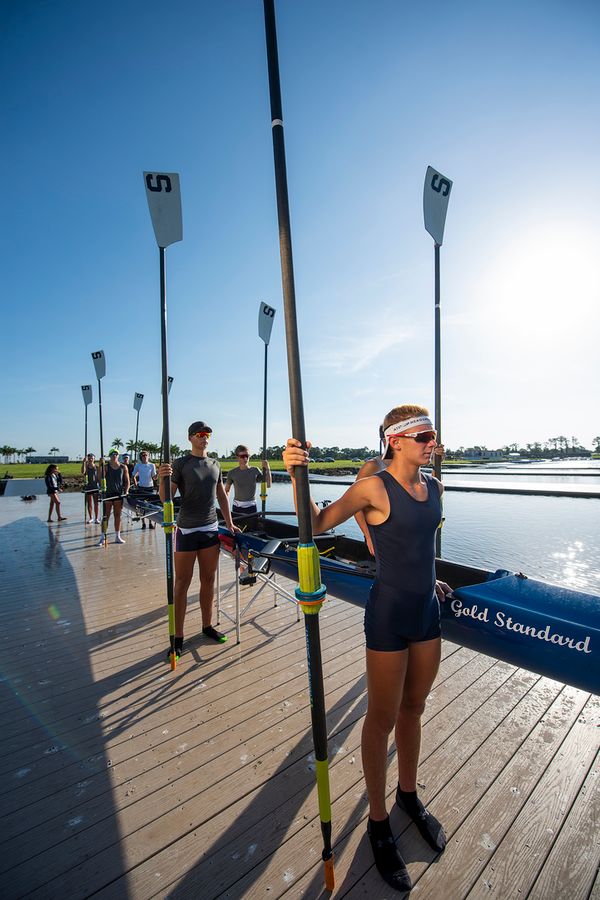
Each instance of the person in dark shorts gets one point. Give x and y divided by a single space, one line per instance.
402 509
244 479
91 487
197 477
53 486
117 485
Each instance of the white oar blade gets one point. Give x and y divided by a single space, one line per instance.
138 399
436 194
164 202
99 363
266 314
86 390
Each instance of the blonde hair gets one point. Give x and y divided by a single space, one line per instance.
398 414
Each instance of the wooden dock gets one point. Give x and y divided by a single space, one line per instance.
121 779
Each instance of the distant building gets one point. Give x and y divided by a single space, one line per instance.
482 453
47 459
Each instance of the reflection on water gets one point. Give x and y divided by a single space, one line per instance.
552 538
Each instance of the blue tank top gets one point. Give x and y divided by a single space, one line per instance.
405 543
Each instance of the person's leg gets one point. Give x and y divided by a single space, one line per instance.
51 507
106 511
61 518
96 506
184 570
423 665
208 559
118 505
385 679
88 506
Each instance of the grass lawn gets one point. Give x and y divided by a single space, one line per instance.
70 469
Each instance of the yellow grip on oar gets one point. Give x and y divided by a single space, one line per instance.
171 618
322 768
168 516
310 593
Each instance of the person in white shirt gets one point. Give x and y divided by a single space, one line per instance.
143 475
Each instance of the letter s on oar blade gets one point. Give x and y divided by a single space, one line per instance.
266 315
164 201
86 390
138 399
99 360
436 193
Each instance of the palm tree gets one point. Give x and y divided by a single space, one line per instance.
175 450
5 450
117 442
54 450
595 442
28 450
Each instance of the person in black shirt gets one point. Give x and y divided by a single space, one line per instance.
197 477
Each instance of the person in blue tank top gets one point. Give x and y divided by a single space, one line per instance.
402 510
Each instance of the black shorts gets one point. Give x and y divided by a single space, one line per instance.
395 618
197 540
244 516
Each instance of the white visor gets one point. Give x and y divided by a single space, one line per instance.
400 427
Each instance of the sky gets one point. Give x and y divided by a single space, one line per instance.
500 98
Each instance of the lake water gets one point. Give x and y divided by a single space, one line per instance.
556 539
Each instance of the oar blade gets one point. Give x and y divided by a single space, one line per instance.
164 201
138 399
99 363
266 315
86 391
436 194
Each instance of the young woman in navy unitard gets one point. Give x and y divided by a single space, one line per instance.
402 509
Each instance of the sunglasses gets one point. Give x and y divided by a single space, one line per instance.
242 456
420 437
205 434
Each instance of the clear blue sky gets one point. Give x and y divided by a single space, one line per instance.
502 98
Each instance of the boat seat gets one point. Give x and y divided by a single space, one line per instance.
260 561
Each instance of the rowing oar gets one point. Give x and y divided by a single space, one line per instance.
86 390
100 367
436 193
310 592
266 315
138 399
164 202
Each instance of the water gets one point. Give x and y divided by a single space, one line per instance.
555 539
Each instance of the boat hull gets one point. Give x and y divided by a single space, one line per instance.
541 627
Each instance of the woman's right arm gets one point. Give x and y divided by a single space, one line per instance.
356 498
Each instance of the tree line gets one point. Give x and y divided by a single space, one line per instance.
556 446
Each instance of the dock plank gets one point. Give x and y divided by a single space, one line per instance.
123 780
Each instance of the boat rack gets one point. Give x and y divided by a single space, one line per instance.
256 571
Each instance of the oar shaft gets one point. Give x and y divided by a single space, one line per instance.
102 466
310 592
437 460
168 512
85 465
263 491
137 428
